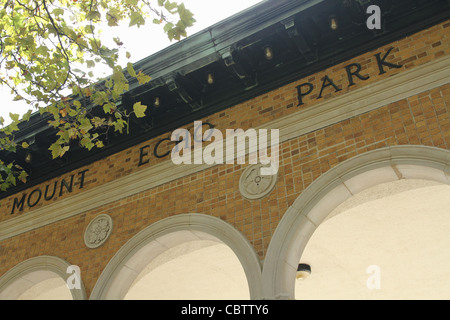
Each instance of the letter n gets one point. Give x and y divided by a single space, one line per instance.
64 184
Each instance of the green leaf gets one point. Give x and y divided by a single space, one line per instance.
136 19
168 26
89 29
130 70
55 148
27 116
118 41
58 11
170 6
23 176
143 78
119 125
14 116
108 108
40 71
87 143
139 109
11 179
85 125
93 15
113 17
58 150
90 63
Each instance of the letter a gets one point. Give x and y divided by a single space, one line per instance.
374 21
73 281
186 157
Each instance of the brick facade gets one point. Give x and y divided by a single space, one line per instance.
421 119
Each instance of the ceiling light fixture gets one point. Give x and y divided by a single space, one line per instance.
333 22
157 102
28 158
303 271
210 78
268 53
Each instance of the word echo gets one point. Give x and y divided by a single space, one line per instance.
37 195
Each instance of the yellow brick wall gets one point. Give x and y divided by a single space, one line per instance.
419 120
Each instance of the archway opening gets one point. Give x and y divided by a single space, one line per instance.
195 270
173 242
54 288
388 242
42 278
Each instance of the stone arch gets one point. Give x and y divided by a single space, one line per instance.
32 271
313 206
130 260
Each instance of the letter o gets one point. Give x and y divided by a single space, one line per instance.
31 205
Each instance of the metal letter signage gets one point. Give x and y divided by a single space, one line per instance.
37 195
159 151
353 71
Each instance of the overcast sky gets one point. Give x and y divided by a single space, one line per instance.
147 40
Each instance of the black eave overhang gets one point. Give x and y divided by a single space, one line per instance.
297 31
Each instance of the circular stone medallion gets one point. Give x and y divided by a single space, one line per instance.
253 185
98 231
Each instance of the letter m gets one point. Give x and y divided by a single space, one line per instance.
18 204
240 137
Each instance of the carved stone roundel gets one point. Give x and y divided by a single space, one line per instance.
253 185
98 231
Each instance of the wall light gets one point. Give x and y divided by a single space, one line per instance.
303 271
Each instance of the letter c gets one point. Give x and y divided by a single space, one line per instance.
155 151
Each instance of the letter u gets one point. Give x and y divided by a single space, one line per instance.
46 197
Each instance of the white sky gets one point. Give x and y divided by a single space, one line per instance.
149 39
